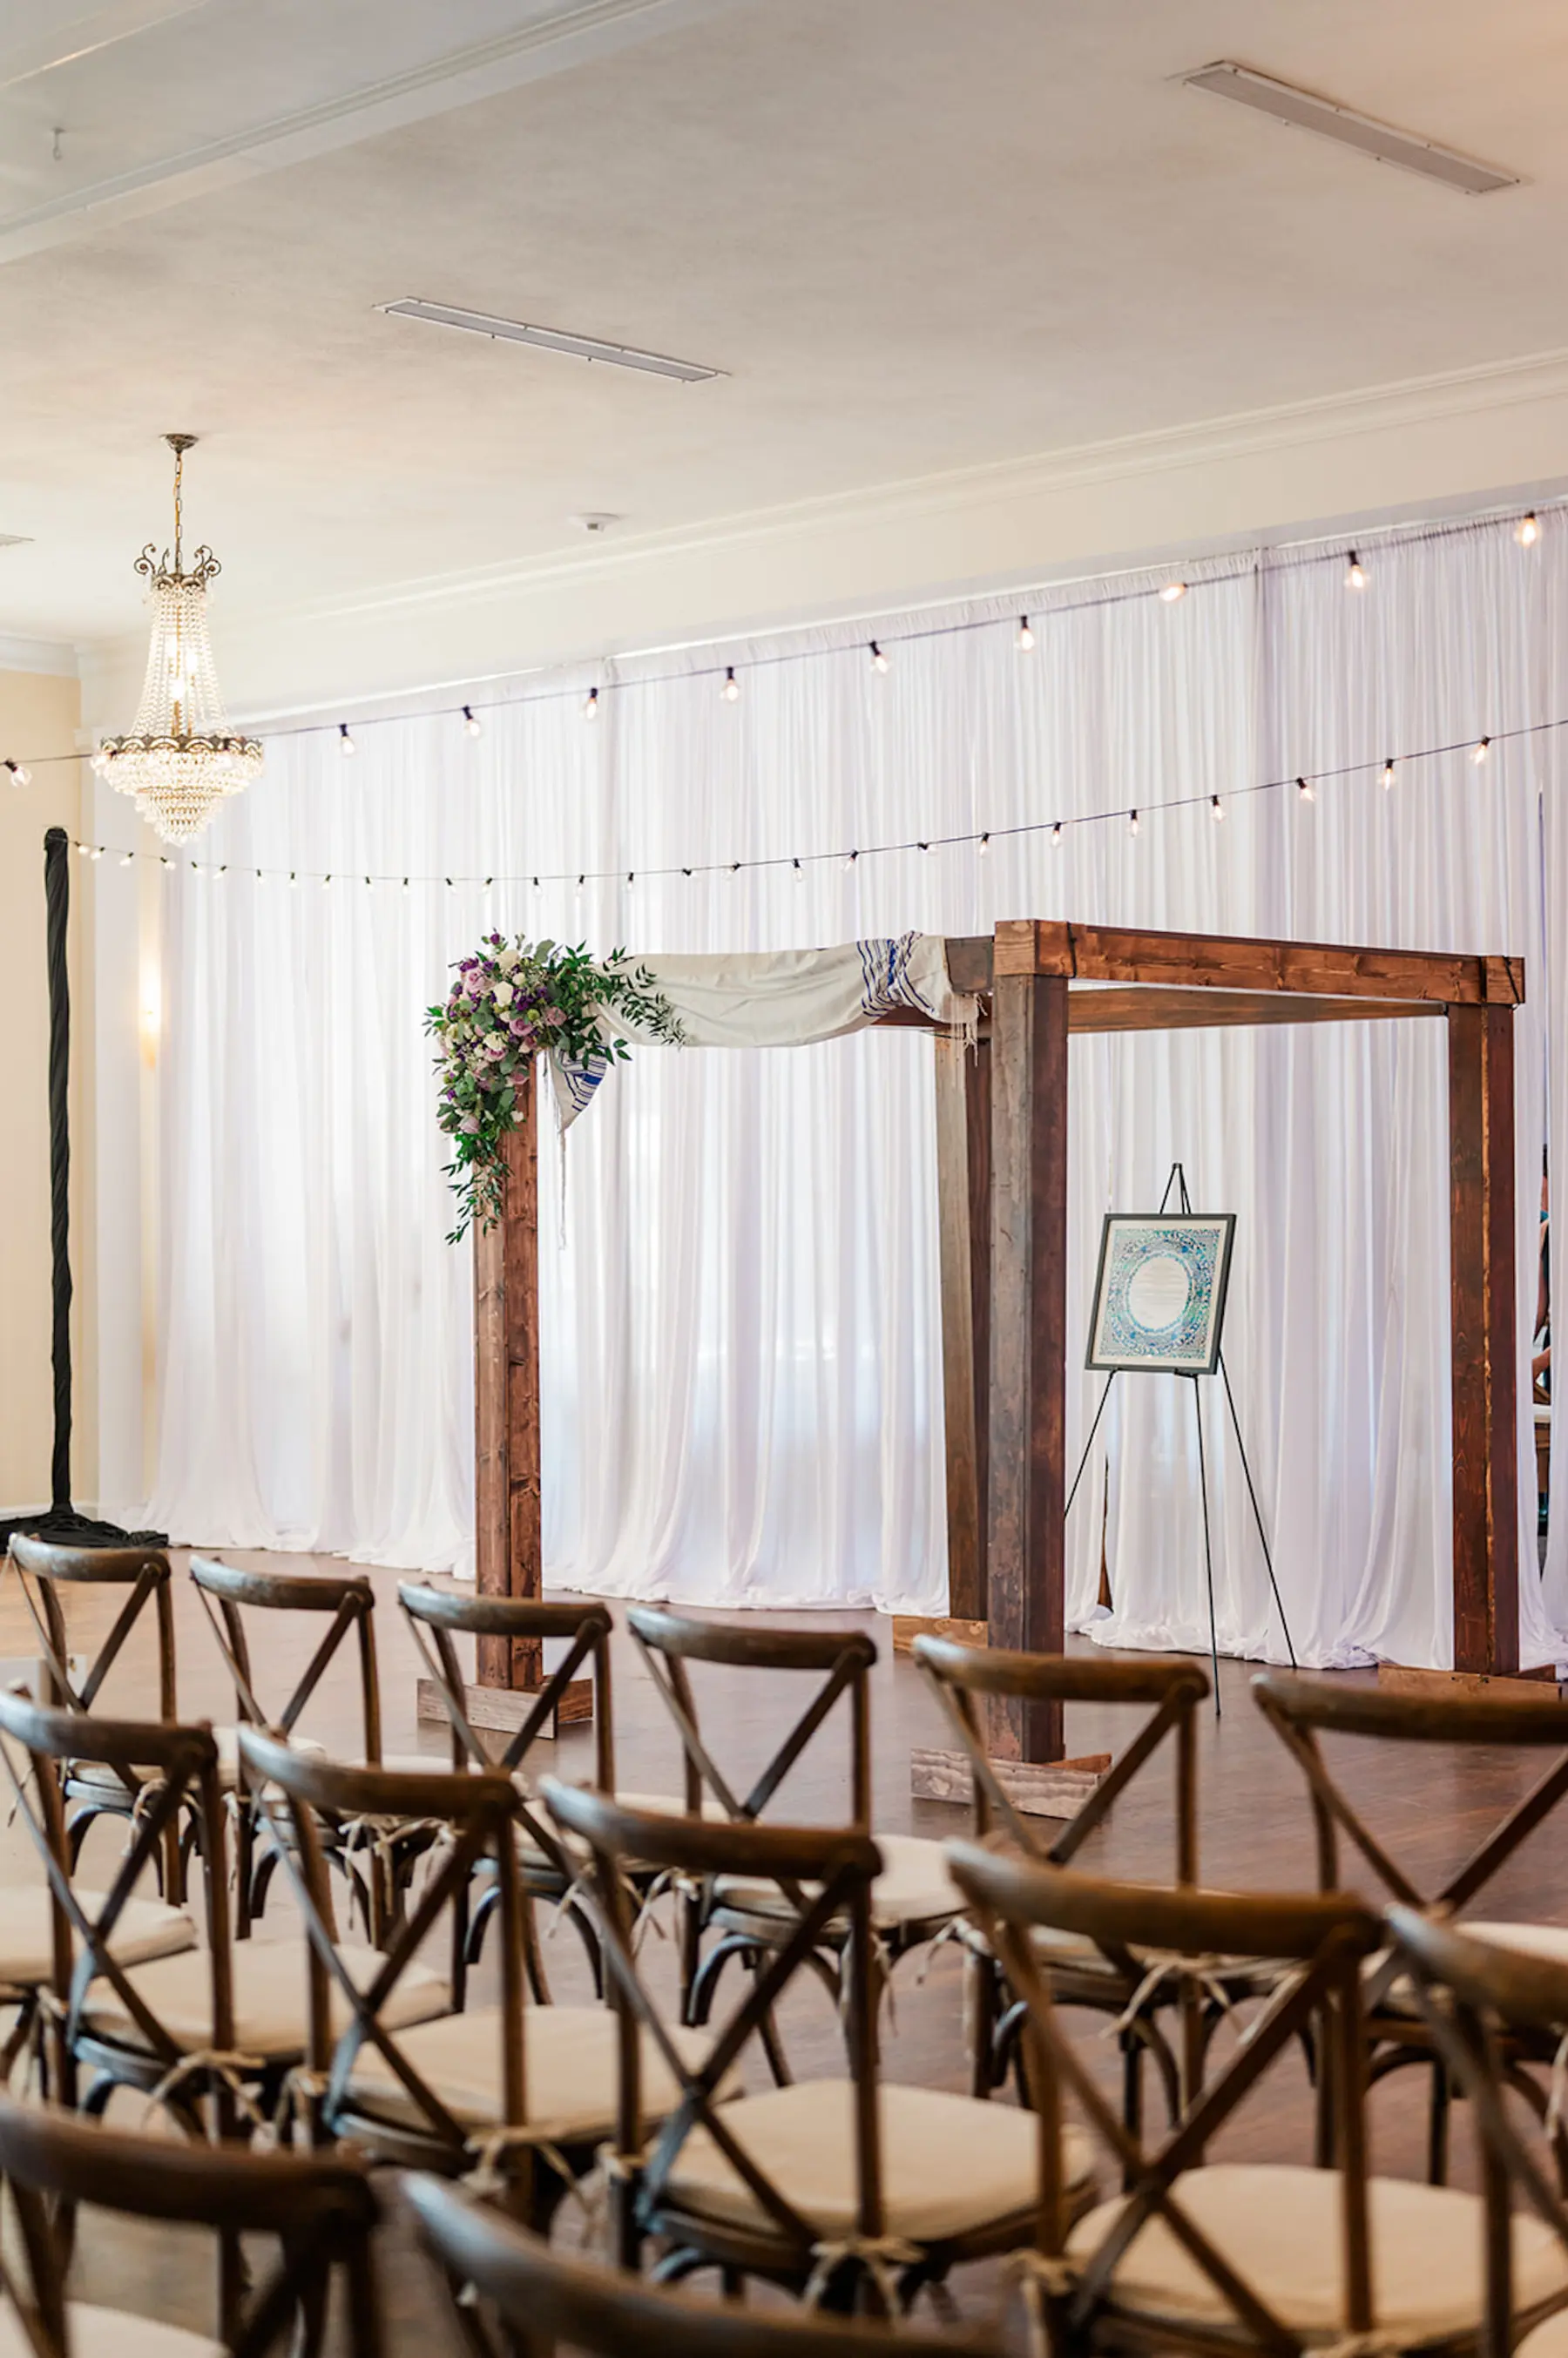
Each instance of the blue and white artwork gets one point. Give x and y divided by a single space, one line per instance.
1160 1294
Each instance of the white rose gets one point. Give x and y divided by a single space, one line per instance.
506 961
502 996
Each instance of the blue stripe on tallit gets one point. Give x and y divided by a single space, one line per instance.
885 980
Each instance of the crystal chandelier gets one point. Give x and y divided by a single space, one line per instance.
182 757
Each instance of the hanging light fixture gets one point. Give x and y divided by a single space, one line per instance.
182 757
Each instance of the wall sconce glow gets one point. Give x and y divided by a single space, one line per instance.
150 1017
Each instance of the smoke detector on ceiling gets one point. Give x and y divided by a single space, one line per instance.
594 523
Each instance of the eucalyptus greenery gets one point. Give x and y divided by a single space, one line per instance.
509 1003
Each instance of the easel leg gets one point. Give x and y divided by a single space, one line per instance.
1089 1443
1207 1549
1257 1512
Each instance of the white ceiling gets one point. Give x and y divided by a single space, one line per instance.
917 236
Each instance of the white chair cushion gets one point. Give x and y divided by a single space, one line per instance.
146 1929
569 2071
95 2332
1548 2340
100 1775
914 1887
951 2165
270 1998
1280 2229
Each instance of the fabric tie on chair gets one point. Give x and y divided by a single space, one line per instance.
487 2177
228 2064
880 2256
1164 1967
1042 2277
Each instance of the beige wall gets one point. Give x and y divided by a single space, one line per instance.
38 716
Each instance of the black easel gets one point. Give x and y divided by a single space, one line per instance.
60 1520
1178 1179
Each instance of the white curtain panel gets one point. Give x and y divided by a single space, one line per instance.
741 1339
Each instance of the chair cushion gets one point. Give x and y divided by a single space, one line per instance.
951 2165
99 1774
569 2071
1548 2340
146 1929
1280 2229
93 2332
270 1998
914 1887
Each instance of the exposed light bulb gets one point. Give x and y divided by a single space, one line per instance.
799 872
219 874
1215 808
345 742
1057 835
474 727
1172 591
1527 532
293 879
1132 822
20 773
730 691
849 859
1024 638
1479 750
405 883
1388 773
591 705
879 661
984 846
83 850
922 847
1305 790
326 881
1355 571
96 852
126 858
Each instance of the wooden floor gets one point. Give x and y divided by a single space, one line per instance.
1431 1809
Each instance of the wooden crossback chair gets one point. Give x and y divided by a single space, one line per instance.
1480 2001
1266 2257
913 1900
376 1871
434 1617
1080 1973
847 2189
43 1572
543 2297
98 1941
130 2000
1301 1711
516 2097
321 2211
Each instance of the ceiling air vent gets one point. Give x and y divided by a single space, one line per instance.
548 339
1362 131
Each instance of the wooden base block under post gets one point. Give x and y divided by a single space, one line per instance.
1040 1788
1401 1680
504 1709
908 1627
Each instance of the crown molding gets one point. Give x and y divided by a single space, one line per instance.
51 658
569 38
1452 441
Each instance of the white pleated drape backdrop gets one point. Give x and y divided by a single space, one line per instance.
742 1396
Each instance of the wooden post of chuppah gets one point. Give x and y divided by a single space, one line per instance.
508 1533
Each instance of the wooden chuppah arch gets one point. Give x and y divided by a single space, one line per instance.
1002 1135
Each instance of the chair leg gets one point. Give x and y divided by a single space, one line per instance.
981 1993
1437 2123
533 1958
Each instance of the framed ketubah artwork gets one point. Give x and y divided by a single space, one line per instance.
1159 1292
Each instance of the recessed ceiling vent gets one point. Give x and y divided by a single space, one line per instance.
549 340
1363 132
